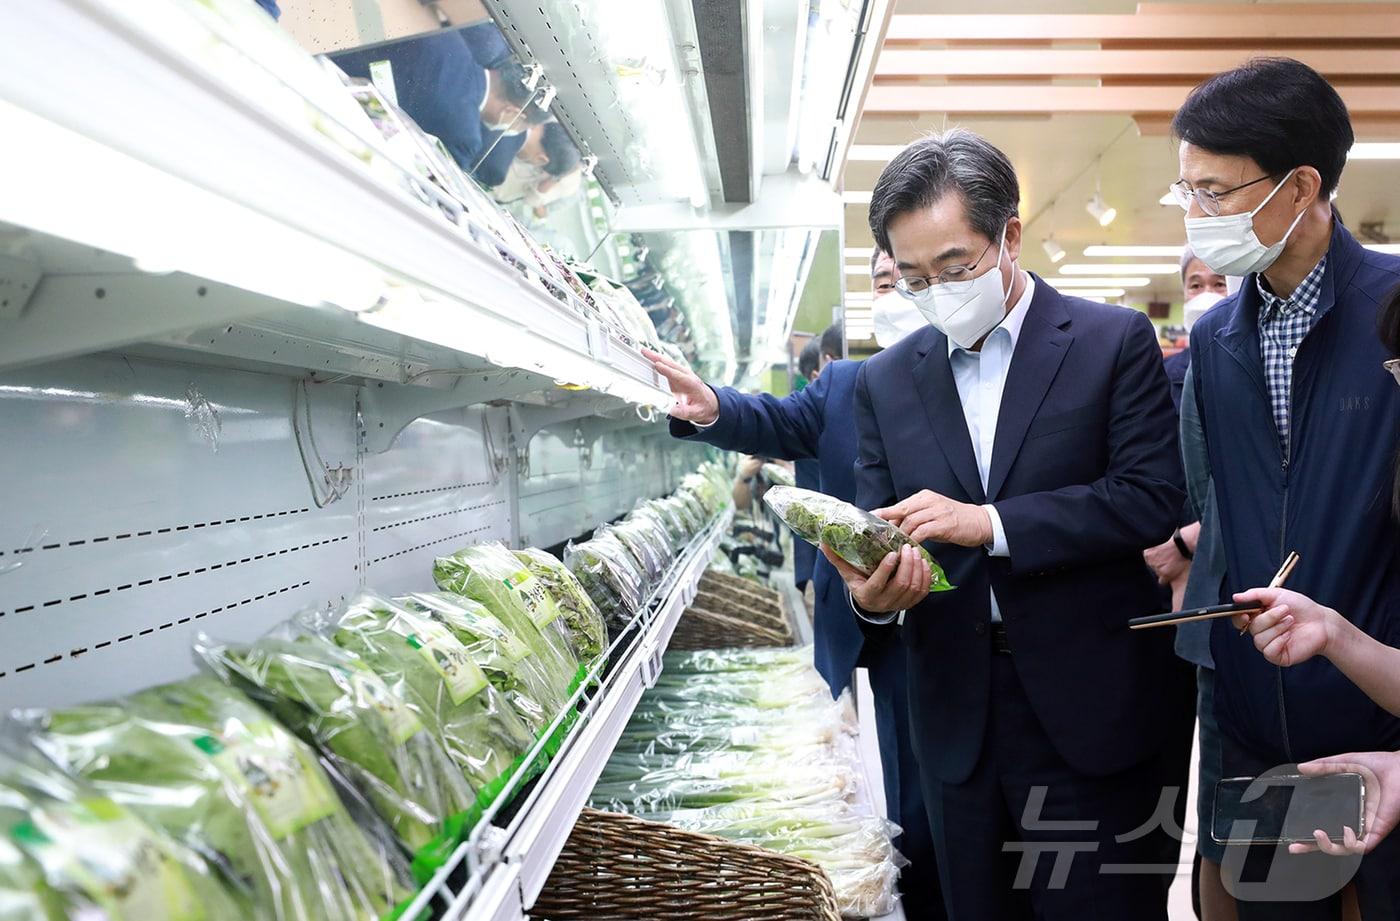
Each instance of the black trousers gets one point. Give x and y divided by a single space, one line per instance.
921 896
1027 836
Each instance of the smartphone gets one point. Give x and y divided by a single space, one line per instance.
1181 617
1287 808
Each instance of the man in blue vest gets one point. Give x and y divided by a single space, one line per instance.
817 422
1301 430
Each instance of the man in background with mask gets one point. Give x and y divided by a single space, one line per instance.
816 422
1300 432
1020 435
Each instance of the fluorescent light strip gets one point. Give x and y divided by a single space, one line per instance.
1374 150
1102 251
858 269
1392 249
1102 281
856 196
1124 268
857 252
1097 292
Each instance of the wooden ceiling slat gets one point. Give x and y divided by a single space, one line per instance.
1260 25
1128 100
1190 64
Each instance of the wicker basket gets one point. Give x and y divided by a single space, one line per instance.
619 868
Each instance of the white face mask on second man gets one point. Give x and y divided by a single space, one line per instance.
894 318
967 310
1228 244
1196 308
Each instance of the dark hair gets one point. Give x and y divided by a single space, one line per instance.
955 161
1277 111
809 359
833 338
512 75
875 255
559 147
1389 331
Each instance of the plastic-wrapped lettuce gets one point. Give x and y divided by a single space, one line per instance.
653 528
857 536
421 658
678 523
588 635
611 575
70 852
779 475
491 575
510 664
201 762
373 733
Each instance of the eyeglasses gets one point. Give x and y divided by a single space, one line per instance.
913 285
1208 200
1393 366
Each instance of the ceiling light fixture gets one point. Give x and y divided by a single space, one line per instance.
1120 268
856 197
1100 211
1054 251
1374 150
1101 251
873 153
1103 281
1097 292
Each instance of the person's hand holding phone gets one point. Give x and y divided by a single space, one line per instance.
1292 628
1381 771
900 581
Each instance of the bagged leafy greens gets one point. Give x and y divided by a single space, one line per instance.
611 575
857 536
201 762
588 635
373 733
642 544
436 673
491 575
779 475
69 852
510 664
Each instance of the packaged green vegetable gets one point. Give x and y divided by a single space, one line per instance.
588 635
857 536
69 852
201 762
779 475
611 575
510 664
491 575
374 734
434 671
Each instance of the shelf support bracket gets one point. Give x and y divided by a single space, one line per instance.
387 408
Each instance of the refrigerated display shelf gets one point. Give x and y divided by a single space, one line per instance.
506 865
178 198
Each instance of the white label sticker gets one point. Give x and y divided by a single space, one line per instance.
371 691
543 611
744 735
118 862
446 654
280 778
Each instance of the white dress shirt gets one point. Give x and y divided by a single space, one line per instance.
981 380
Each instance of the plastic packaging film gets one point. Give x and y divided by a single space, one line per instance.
857 536
201 762
588 635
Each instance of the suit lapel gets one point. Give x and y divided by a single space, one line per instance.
1040 349
938 392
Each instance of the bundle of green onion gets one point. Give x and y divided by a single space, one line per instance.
748 744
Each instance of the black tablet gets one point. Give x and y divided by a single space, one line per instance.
1182 617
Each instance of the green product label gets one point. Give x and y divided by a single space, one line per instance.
278 777
446 654
372 692
118 863
543 611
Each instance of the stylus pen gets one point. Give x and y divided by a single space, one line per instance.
1279 578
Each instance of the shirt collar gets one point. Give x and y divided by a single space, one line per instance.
1305 297
1014 320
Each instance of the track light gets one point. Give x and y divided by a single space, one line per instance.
1053 250
1100 211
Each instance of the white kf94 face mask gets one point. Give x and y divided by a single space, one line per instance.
894 318
1228 244
967 310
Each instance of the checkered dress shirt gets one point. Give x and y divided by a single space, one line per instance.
1283 325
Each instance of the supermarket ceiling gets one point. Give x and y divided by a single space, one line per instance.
1080 94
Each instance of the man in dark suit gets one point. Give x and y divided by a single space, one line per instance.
816 423
1026 437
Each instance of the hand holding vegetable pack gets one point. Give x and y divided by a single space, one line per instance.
857 536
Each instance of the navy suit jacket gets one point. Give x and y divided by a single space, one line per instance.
812 423
1085 475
